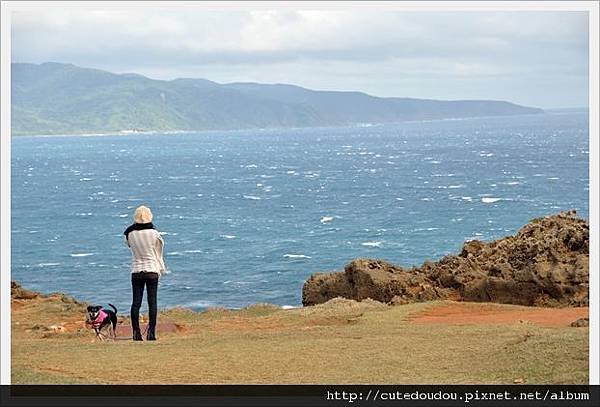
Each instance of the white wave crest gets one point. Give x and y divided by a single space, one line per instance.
297 256
372 244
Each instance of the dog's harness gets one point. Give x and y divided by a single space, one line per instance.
96 323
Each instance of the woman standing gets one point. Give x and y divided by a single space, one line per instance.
147 266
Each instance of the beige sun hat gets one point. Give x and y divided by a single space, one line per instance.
142 214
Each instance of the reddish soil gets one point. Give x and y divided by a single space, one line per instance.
466 313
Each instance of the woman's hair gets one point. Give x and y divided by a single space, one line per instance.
142 215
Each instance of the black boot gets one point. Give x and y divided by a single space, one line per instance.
137 335
150 336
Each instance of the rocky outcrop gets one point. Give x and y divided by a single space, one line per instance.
544 264
17 292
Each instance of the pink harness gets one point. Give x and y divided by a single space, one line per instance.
99 319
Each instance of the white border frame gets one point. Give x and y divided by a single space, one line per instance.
594 193
590 6
5 202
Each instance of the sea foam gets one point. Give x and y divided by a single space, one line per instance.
296 256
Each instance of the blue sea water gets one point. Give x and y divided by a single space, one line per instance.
248 216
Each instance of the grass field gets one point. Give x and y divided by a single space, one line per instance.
339 342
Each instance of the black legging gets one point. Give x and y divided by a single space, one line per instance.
138 280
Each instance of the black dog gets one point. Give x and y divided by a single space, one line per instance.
99 318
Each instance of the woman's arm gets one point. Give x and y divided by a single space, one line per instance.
158 250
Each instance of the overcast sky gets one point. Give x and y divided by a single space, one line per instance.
535 58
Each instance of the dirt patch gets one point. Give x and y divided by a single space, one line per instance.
490 314
17 304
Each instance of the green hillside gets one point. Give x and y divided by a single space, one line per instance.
53 98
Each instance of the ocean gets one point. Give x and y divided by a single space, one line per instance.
248 216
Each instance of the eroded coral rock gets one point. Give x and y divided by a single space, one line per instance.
544 264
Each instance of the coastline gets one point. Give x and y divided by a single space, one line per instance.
427 334
127 132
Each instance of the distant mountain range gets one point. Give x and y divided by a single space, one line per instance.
54 98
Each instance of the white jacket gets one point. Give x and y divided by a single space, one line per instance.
147 251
